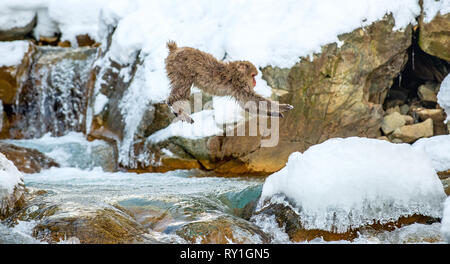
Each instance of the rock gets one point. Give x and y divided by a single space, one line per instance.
289 221
12 188
446 184
392 110
433 36
435 114
427 93
438 116
383 138
392 122
105 226
27 160
404 109
21 31
411 133
12 77
222 230
409 120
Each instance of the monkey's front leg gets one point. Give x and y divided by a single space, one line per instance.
180 109
256 104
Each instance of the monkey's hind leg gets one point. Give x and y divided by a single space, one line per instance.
180 110
178 100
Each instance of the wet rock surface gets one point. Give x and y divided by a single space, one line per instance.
27 160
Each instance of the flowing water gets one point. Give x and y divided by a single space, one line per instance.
163 203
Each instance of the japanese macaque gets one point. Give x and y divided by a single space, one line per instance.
188 66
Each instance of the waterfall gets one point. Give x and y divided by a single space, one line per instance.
54 98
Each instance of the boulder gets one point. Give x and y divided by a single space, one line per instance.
426 93
12 77
223 230
12 188
103 226
391 122
404 109
433 36
27 160
409 120
411 133
290 222
438 116
27 21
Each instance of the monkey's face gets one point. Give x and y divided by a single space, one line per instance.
249 71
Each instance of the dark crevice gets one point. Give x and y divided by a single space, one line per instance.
421 68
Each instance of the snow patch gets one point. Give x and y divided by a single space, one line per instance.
347 183
204 126
12 52
437 149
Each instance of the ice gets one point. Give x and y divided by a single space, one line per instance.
437 149
443 96
348 183
445 229
12 52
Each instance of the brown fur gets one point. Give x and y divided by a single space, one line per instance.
188 66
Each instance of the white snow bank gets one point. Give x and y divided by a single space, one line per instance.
12 52
437 149
204 126
348 183
432 7
443 96
10 177
445 228
69 17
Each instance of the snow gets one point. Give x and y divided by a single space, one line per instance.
204 126
12 52
437 149
432 7
443 96
362 180
69 17
10 177
445 228
100 101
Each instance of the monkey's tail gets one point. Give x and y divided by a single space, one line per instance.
171 45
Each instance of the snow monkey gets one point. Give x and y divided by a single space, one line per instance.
186 66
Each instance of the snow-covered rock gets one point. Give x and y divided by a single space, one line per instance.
12 52
344 184
12 188
437 149
445 228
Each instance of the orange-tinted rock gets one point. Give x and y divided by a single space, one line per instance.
27 160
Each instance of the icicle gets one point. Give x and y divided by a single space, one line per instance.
412 59
400 80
